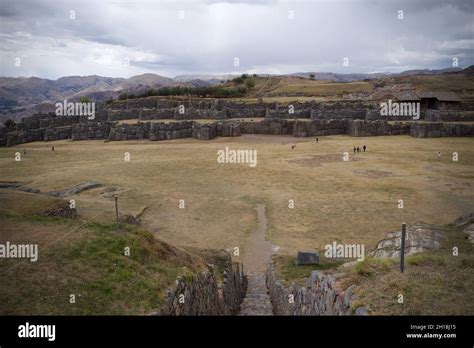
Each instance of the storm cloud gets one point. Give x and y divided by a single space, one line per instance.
124 38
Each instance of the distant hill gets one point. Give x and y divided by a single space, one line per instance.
429 72
469 71
22 96
208 78
334 77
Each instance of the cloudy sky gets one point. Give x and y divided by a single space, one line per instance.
123 38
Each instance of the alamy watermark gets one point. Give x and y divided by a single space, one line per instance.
19 251
346 251
75 109
237 157
28 330
409 109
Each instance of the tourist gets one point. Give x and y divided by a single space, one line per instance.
52 148
364 147
354 150
439 155
317 140
358 149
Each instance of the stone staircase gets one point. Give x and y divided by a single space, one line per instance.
256 300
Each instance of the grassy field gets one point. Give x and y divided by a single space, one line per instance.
293 85
88 260
347 202
322 88
463 86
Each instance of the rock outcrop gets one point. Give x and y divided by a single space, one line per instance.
466 222
89 185
419 238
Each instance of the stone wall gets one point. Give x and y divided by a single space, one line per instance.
206 131
362 128
33 121
159 108
155 131
440 129
60 133
167 131
91 130
205 295
448 116
137 131
118 115
297 128
322 295
59 121
320 127
268 126
154 109
27 136
156 114
151 131
228 129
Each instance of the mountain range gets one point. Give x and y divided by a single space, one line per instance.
26 95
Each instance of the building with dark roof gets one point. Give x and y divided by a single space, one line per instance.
439 100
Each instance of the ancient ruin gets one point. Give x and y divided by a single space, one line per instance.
159 119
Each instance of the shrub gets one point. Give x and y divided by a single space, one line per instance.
84 99
249 83
10 124
238 80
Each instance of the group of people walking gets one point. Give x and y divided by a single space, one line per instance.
357 149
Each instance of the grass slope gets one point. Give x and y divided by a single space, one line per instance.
88 259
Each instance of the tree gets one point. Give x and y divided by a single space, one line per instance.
84 99
238 80
249 83
312 76
10 124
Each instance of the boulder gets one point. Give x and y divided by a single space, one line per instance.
419 238
307 258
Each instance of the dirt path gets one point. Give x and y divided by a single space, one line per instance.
256 259
261 91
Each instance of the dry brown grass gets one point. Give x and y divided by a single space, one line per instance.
322 88
350 202
433 283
